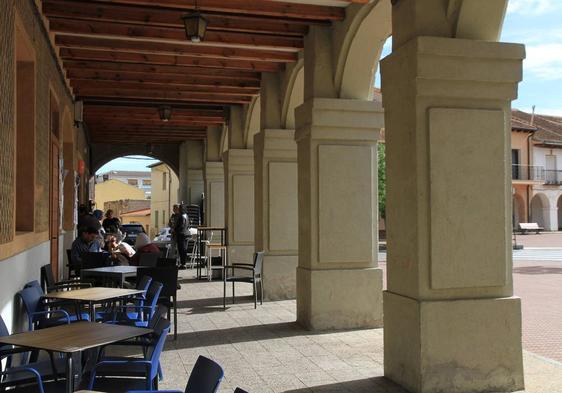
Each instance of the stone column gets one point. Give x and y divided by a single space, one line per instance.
276 203
551 215
239 191
276 212
214 194
338 282
191 184
451 322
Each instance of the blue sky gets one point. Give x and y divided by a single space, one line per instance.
535 23
129 163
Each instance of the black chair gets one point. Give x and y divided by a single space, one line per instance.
166 262
245 272
168 276
92 260
71 266
239 390
149 259
49 284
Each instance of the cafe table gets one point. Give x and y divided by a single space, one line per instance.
93 296
73 338
116 273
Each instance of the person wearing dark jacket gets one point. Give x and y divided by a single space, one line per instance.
181 232
111 224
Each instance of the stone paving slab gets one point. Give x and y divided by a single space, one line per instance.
265 351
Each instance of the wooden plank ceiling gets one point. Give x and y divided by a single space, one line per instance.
126 58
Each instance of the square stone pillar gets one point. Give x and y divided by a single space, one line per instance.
239 204
339 285
276 212
451 322
214 194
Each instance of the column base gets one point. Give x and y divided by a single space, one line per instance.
456 346
280 277
339 298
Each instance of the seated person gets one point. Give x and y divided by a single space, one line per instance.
143 245
85 242
121 252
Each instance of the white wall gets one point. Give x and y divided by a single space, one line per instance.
539 154
14 273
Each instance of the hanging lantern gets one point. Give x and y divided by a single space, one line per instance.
165 112
195 26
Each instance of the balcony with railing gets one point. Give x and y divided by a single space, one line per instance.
534 173
553 177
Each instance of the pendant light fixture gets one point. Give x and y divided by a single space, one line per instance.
195 25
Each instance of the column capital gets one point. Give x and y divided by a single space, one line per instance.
330 118
275 143
239 159
452 68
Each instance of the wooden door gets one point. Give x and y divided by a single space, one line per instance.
54 208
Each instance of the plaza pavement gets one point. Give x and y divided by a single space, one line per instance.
264 350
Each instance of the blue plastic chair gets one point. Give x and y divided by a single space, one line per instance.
205 377
146 367
40 314
26 373
140 313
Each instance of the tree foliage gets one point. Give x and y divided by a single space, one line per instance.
382 179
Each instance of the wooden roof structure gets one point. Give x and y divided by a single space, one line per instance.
126 58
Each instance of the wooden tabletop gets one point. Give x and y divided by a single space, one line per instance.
211 228
216 246
95 294
74 337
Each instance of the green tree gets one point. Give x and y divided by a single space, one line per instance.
382 179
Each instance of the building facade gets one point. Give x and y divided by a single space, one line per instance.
537 169
115 190
139 179
165 188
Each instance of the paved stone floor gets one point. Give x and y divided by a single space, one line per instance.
264 351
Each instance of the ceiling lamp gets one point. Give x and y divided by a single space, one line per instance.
165 112
195 25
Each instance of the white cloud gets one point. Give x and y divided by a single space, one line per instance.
533 7
545 61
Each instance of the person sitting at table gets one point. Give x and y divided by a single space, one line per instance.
143 246
85 242
121 252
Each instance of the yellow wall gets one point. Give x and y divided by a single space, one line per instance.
161 199
114 190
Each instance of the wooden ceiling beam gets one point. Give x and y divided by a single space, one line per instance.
80 84
151 111
132 31
174 49
164 95
247 7
173 123
78 74
172 18
87 54
163 70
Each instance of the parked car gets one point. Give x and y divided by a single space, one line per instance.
164 235
131 231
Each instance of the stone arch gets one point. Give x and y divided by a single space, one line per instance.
518 210
252 122
294 95
366 30
539 210
102 153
